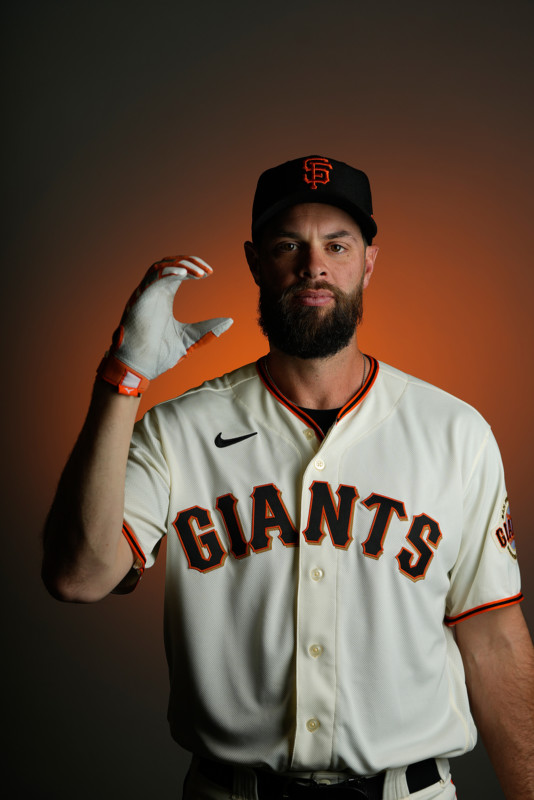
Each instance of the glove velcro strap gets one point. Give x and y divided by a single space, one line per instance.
126 379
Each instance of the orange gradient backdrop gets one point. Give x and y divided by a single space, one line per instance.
138 133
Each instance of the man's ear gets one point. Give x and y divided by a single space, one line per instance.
371 253
253 261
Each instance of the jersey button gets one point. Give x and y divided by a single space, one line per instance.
319 463
316 650
317 574
308 433
312 724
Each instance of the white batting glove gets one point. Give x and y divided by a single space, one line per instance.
149 340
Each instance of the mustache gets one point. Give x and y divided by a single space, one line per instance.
306 285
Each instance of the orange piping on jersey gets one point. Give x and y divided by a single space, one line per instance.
363 391
277 394
509 601
352 403
136 547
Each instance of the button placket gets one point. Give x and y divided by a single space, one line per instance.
315 643
316 673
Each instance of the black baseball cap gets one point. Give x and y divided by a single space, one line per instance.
314 179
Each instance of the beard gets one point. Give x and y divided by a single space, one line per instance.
310 331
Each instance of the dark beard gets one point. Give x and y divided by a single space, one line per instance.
309 331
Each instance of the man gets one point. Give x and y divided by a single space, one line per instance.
340 548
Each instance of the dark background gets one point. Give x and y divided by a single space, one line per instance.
136 130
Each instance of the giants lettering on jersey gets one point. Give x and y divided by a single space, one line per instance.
328 516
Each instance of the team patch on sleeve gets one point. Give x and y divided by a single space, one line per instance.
503 534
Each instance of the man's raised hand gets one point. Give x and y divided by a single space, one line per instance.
149 340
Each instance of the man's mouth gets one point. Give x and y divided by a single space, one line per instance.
313 297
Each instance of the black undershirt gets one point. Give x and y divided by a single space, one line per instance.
323 417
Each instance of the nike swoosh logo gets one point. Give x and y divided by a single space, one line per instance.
220 442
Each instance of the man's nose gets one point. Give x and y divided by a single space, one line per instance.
312 263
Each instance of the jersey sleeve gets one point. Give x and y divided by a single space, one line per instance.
486 573
146 495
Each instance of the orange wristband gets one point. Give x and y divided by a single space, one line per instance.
126 379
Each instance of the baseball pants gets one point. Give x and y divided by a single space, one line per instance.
198 787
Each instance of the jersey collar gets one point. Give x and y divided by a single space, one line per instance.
298 412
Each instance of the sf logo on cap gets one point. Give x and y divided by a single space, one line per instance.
317 170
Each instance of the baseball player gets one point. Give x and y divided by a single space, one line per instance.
342 583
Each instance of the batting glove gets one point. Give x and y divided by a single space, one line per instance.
149 340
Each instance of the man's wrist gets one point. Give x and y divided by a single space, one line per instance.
118 374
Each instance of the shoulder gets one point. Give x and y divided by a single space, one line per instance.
426 403
213 392
415 389
424 419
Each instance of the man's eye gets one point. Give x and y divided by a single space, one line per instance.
336 248
286 247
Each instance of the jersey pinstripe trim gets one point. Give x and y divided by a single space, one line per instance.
509 601
140 558
298 412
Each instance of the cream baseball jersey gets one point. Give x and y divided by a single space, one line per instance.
312 582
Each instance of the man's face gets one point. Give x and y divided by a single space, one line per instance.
311 265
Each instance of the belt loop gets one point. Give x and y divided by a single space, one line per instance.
395 786
444 768
245 784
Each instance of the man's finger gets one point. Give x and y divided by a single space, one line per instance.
196 267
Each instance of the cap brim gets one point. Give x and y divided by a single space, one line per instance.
365 222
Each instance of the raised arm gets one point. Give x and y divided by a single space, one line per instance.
498 658
85 554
